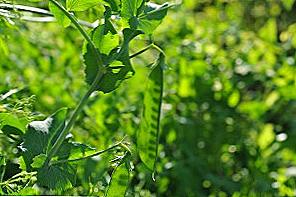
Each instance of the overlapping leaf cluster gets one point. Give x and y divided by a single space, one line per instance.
45 147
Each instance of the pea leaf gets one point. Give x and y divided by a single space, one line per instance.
38 140
114 4
57 177
74 150
152 17
61 18
105 38
38 161
129 8
81 5
115 73
147 136
119 181
11 124
41 135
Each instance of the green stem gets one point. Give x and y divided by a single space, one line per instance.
86 157
146 49
141 51
74 116
81 30
92 88
158 49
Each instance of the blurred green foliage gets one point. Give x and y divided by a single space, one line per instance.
228 125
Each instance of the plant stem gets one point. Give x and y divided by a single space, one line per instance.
86 157
82 31
147 48
74 116
158 49
92 88
141 51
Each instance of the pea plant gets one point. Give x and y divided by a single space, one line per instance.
47 154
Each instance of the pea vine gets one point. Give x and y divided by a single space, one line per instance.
47 149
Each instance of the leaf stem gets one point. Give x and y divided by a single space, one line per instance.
88 156
81 30
146 49
141 51
74 116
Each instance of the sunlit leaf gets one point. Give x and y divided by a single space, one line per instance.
129 8
114 76
105 38
288 4
81 5
61 18
119 181
38 161
266 136
269 31
11 124
152 17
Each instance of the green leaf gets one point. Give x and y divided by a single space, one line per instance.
266 136
41 135
156 12
269 31
152 17
288 4
114 4
119 181
39 139
147 137
22 163
11 124
91 63
115 73
61 18
81 5
234 98
74 150
129 8
105 38
38 161
59 177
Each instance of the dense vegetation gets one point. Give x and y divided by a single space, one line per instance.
223 72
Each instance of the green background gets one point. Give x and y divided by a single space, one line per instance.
228 121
